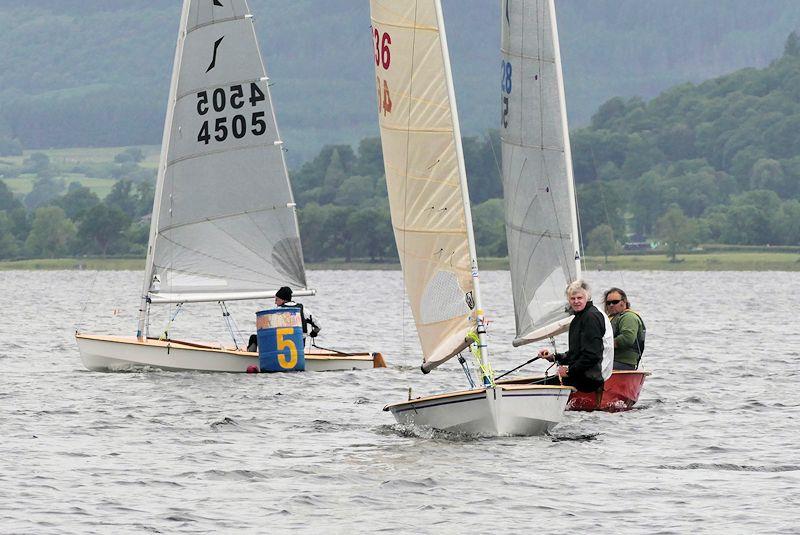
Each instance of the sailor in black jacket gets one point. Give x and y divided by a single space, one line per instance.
283 298
582 365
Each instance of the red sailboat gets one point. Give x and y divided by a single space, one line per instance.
620 393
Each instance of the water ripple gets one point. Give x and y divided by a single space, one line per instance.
732 467
710 448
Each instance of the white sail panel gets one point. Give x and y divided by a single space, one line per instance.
225 218
541 222
423 177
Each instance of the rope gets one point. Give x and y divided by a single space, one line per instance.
165 334
486 369
518 367
314 344
87 295
230 323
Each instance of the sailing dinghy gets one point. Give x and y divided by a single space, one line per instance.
223 226
541 220
620 393
432 223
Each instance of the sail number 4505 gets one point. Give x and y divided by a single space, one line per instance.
240 124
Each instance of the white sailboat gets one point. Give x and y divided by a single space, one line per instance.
541 216
224 225
431 217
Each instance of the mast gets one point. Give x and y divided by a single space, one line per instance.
567 149
479 317
144 307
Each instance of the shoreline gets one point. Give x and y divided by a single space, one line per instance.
700 261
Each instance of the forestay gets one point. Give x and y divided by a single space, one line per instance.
541 221
424 167
224 223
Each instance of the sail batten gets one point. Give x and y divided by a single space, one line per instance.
541 225
259 146
224 219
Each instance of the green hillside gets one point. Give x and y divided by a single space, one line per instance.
96 73
717 162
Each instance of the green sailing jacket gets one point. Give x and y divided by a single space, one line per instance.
629 333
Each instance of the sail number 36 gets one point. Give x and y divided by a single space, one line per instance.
383 59
239 125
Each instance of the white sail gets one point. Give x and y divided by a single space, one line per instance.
425 173
541 220
224 224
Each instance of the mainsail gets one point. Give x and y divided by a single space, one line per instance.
541 220
224 224
425 173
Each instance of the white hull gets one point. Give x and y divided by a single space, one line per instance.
500 411
117 353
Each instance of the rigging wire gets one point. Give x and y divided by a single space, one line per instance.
230 322
165 334
405 178
467 371
87 296
604 203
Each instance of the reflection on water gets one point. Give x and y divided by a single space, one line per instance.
711 447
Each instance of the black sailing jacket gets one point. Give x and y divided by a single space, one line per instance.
585 354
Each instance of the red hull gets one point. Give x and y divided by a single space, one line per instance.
620 393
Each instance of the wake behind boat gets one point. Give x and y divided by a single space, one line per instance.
432 222
224 225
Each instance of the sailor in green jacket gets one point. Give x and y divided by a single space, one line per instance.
629 330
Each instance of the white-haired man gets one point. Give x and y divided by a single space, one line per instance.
590 358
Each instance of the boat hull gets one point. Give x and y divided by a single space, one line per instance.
117 353
506 410
620 393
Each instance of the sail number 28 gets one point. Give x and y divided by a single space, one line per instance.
238 126
505 88
383 59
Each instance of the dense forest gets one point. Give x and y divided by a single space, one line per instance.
716 162
95 73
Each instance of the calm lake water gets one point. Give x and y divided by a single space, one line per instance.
710 448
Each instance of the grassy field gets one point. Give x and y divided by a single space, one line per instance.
23 184
89 155
720 261
75 263
67 158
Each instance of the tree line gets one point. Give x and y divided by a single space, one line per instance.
57 218
717 162
96 72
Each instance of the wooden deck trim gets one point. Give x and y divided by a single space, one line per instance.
475 391
193 346
520 380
